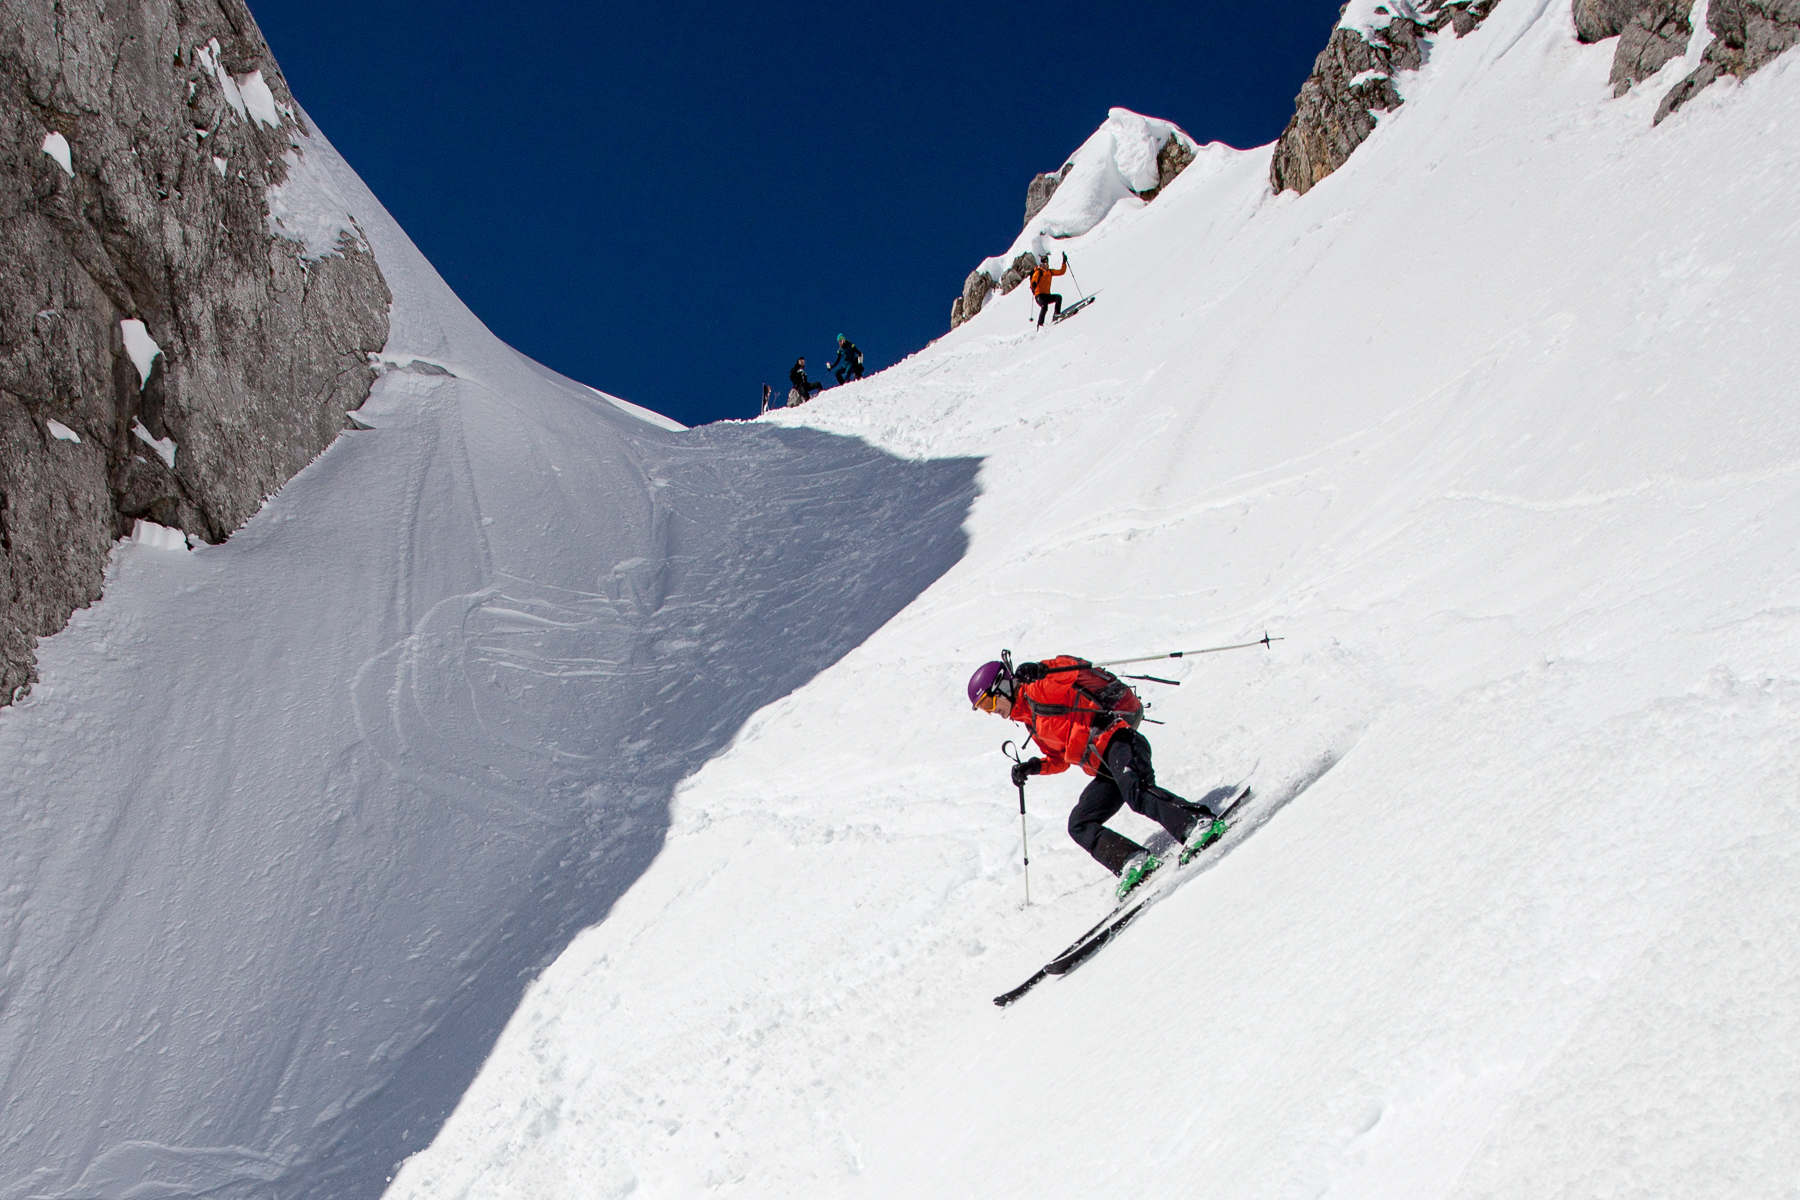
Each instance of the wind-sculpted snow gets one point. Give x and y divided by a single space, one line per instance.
293 821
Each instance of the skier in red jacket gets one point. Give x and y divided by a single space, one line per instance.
1080 715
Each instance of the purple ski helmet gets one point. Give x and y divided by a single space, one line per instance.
986 678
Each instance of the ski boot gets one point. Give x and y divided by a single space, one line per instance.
1204 835
1137 869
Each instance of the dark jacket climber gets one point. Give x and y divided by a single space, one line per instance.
849 360
804 388
1083 716
1041 275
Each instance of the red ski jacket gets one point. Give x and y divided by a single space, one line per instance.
1068 718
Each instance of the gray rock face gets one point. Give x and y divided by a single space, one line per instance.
1041 189
976 289
1018 272
1351 81
1597 20
1174 158
173 119
1656 33
1747 35
1650 33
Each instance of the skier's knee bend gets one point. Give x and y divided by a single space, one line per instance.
1084 827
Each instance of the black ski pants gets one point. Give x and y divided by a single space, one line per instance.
1127 780
1044 303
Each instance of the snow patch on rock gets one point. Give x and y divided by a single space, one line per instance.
157 537
57 147
61 432
1370 16
140 346
164 447
312 205
209 58
259 101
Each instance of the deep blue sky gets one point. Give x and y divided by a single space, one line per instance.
670 202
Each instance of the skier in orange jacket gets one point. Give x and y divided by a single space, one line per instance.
1080 715
1041 275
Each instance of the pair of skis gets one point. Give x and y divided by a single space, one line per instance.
1070 311
1074 308
1129 908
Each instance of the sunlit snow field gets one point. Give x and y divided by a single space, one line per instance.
1496 427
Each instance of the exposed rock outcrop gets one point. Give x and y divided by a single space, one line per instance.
1017 272
138 143
1175 157
1747 35
1041 189
1353 79
976 289
1597 20
1650 33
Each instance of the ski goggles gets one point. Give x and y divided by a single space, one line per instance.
989 701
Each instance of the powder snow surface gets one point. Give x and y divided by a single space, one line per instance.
289 823
1496 427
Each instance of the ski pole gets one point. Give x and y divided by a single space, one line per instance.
1012 752
1072 279
1264 640
1025 845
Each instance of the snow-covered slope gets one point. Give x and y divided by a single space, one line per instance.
292 820
1495 426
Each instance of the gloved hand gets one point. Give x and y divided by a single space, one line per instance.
1029 672
1025 770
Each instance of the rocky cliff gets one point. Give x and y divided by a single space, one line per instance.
168 349
1353 79
1746 36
